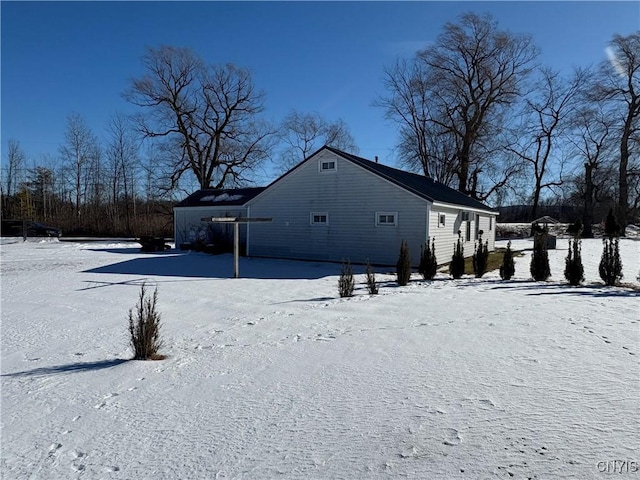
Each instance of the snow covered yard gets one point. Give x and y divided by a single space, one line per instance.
274 376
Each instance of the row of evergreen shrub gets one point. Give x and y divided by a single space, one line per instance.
610 268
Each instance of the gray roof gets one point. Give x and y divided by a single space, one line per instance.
420 185
220 197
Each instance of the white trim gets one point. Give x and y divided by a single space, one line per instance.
248 229
461 207
323 161
386 215
320 223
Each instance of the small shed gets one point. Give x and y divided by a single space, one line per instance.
189 228
545 221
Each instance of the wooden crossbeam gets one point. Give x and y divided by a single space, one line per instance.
236 235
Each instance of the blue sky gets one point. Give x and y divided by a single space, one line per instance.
324 57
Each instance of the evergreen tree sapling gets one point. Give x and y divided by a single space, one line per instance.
346 282
508 267
144 327
611 226
403 267
480 257
428 264
573 270
610 267
372 286
456 267
539 268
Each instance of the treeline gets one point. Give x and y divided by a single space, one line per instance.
475 110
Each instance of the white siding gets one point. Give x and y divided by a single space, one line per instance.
446 237
189 219
350 196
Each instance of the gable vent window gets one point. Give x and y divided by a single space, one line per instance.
328 165
319 218
386 219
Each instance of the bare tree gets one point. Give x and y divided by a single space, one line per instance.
16 163
304 133
122 155
619 83
78 154
457 93
205 113
14 176
592 138
546 119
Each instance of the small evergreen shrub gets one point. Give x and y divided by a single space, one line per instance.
611 226
480 257
456 267
610 267
508 267
372 286
346 283
573 270
144 327
428 264
539 268
403 267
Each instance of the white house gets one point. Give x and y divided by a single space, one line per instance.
335 206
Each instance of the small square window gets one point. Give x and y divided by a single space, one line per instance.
386 219
319 218
442 219
328 165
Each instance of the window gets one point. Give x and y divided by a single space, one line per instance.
319 218
327 166
442 218
490 223
386 219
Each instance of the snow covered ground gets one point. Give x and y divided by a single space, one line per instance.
274 376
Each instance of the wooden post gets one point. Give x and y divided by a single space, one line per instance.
236 235
236 250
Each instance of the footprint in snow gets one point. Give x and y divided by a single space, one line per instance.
452 438
54 448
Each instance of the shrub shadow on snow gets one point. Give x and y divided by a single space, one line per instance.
70 367
540 288
200 265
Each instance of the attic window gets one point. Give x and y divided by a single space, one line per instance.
386 219
328 165
319 218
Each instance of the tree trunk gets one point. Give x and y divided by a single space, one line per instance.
587 216
623 199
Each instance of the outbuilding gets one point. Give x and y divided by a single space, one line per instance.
189 227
